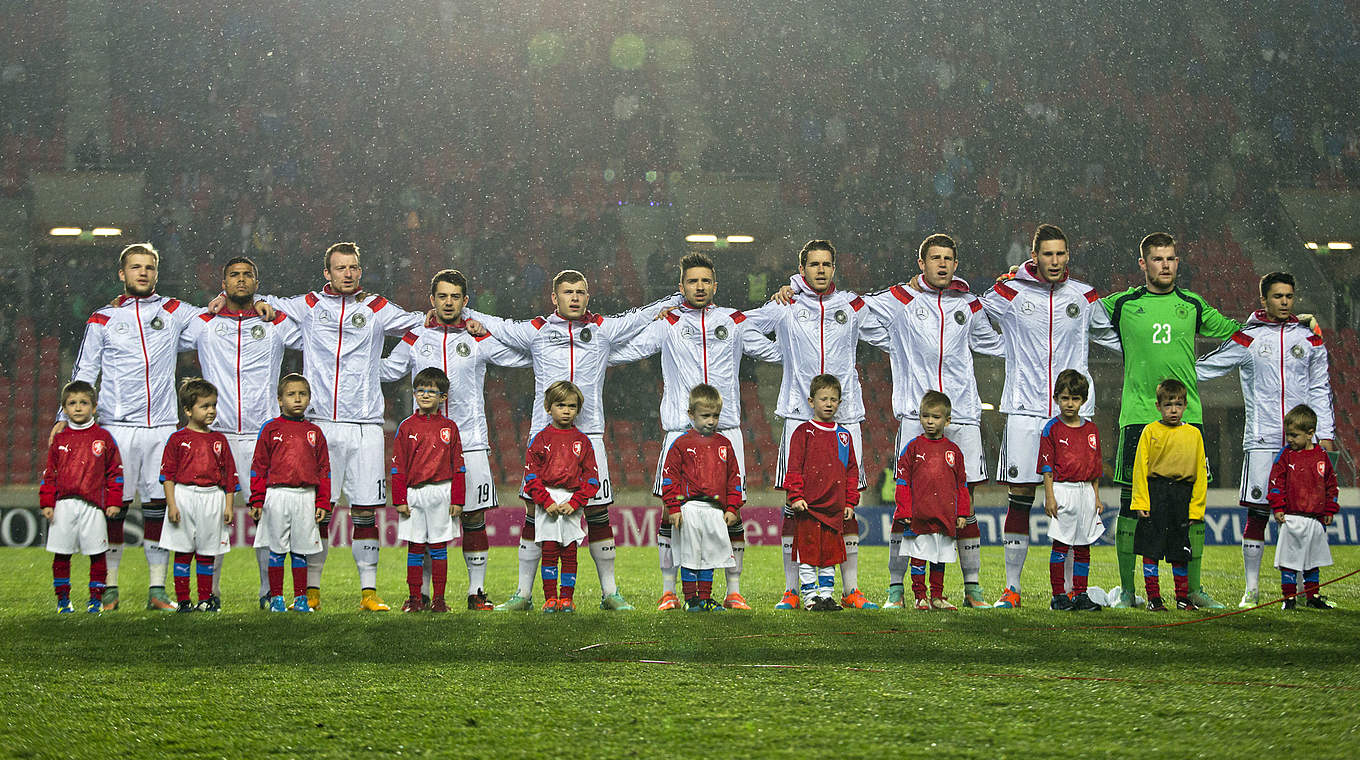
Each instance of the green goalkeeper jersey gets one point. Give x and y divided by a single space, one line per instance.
1157 332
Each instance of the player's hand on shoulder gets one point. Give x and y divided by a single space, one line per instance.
475 328
783 296
217 304
265 311
1009 275
667 310
57 428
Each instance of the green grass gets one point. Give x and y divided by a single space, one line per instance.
969 684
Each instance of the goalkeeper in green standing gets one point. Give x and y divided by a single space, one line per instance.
1157 324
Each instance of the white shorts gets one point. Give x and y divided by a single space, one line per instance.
782 468
289 520
357 467
738 448
1077 523
243 453
702 542
967 437
605 496
481 487
564 529
932 547
429 522
200 528
1256 466
1302 544
78 527
140 449
1019 460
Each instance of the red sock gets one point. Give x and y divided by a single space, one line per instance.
439 568
1057 568
551 552
205 575
475 540
1154 589
689 588
415 571
705 588
99 573
1081 568
61 575
151 526
1311 582
184 562
362 532
1255 529
568 577
937 580
114 527
1181 579
275 580
299 575
601 531
918 578
526 533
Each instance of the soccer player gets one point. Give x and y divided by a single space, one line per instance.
1048 320
240 353
290 490
342 344
560 477
701 488
935 326
573 344
700 344
1170 477
1281 364
130 348
1157 323
199 477
428 487
444 343
1070 462
82 486
821 482
817 328
1303 498
933 501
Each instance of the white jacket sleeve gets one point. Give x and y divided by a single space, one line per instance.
983 337
643 345
518 335
764 318
90 357
1227 357
1102 329
1320 392
623 327
396 365
757 346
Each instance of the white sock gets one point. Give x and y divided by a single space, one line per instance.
897 562
262 559
733 573
807 582
826 581
529 555
476 568
970 556
113 558
157 561
217 574
1017 548
603 554
427 574
315 564
1252 549
1067 571
666 560
850 567
791 575
365 551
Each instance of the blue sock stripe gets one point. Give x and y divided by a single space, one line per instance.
1289 577
549 573
1179 571
706 576
205 568
181 569
826 581
1310 576
96 585
299 560
687 574
918 569
1081 568
275 560
808 587
59 582
1149 570
568 580
1056 557
414 560
440 553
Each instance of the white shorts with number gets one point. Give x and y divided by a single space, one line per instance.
932 547
289 520
605 496
357 466
429 521
701 542
782 468
1078 523
967 437
200 529
1302 544
140 449
564 529
481 487
242 453
1019 460
1256 466
78 527
732 434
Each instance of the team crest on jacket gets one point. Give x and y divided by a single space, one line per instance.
585 334
576 448
1255 492
1091 441
1027 307
322 316
157 323
217 448
221 330
959 317
257 332
720 332
311 438
445 435
1297 351
462 349
1182 311
1322 468
921 313
949 458
97 447
840 316
1072 310
722 453
845 438
358 320
426 349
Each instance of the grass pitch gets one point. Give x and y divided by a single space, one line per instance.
993 683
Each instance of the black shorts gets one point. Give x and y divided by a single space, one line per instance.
1128 451
1165 532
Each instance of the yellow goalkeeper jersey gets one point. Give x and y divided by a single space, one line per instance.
1176 453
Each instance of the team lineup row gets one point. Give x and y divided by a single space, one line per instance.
1041 321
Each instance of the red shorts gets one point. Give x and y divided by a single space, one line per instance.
816 543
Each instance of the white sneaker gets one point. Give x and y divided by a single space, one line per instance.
1251 598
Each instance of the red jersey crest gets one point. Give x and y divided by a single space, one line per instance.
1092 442
97 447
1321 468
949 458
845 438
722 453
311 438
445 435
576 448
217 448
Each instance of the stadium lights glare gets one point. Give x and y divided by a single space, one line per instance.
106 232
986 407
740 239
701 238
1310 246
1336 246
64 231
